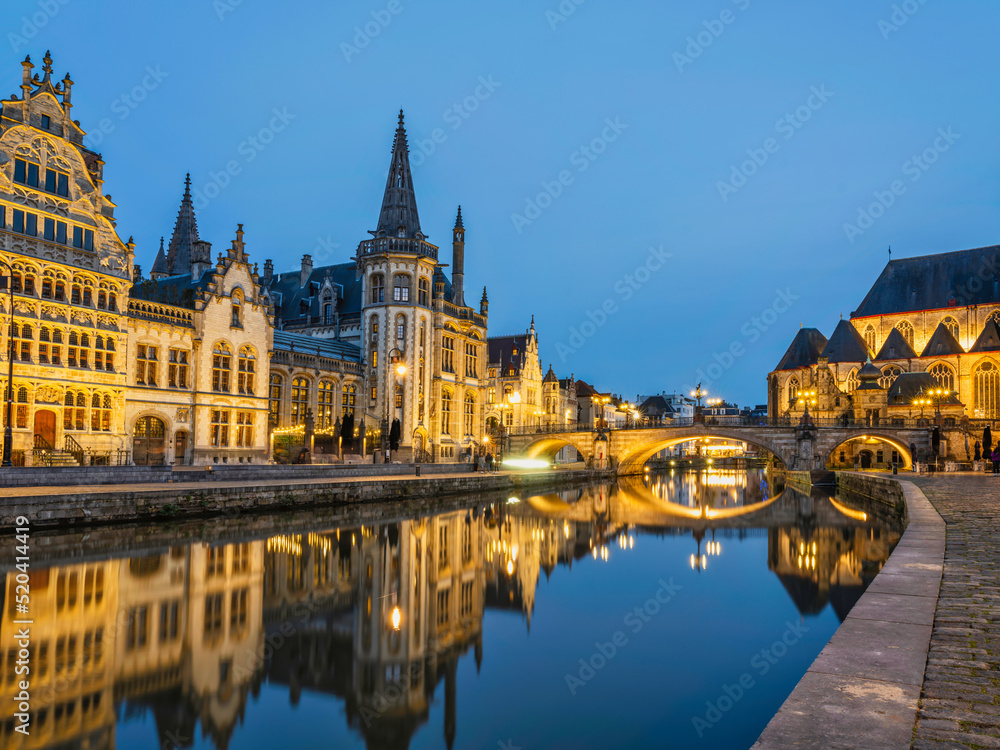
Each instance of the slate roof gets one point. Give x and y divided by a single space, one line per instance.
931 282
846 345
869 376
288 297
550 376
584 388
399 203
160 264
332 348
989 339
185 234
908 385
804 350
501 350
656 406
942 343
171 290
895 347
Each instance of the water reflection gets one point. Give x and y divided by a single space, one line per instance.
377 616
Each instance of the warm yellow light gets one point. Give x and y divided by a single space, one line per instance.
401 370
486 438
515 397
395 618
510 567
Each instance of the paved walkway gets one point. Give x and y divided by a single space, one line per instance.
960 700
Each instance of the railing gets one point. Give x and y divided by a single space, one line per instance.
396 245
73 448
464 313
41 444
149 310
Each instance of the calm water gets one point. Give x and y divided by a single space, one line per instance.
674 612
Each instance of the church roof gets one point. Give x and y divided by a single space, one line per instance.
804 350
895 347
184 236
846 345
932 282
942 343
399 203
989 339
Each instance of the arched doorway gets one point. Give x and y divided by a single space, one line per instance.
180 447
866 459
45 427
149 442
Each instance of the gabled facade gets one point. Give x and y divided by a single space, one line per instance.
514 394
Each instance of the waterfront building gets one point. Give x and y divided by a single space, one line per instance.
923 344
514 388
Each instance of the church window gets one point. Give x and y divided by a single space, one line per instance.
274 402
247 369
222 364
870 338
401 288
423 292
793 390
944 376
177 373
145 366
300 400
325 403
349 393
378 288
889 375
905 328
446 413
986 390
852 381
952 325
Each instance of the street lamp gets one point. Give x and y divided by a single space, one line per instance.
8 435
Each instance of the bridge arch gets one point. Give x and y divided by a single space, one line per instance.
548 446
895 442
633 458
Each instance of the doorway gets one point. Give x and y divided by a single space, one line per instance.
45 427
149 444
180 447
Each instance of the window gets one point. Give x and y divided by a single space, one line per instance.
26 338
244 429
145 363
46 122
467 598
401 289
93 586
74 295
247 368
443 547
213 617
378 288
327 310
443 599
102 301
241 558
793 389
448 354
222 357
238 612
401 332
986 391
491 396
74 411
906 329
22 408
852 381
944 376
88 297
83 238
952 325
470 414
326 401
60 292
349 393
274 399
169 621
237 318
215 562
446 413
422 292
220 428
26 173
55 231
300 400
471 361
889 375
177 369
136 628
56 182
25 223
100 413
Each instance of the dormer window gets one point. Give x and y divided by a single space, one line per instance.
46 123
401 233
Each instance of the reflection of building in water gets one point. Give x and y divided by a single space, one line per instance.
160 632
711 488
380 616
832 565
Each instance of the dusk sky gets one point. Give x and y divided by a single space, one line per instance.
733 147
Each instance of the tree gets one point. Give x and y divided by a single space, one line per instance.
394 433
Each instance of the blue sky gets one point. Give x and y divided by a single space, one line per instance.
633 115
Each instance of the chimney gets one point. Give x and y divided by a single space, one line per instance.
458 261
268 272
307 269
136 273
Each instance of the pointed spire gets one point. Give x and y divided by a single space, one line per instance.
185 234
47 67
160 264
458 219
399 204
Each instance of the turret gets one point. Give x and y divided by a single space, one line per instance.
306 271
484 304
268 272
458 261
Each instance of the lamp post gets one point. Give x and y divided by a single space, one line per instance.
8 435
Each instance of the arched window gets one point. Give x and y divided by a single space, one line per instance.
247 370
906 329
943 375
401 288
88 297
237 321
328 310
102 301
986 390
870 338
889 375
952 325
995 315
22 408
470 414
29 283
325 402
300 400
401 332
423 292
222 365
793 389
274 399
446 413
378 288
349 394
112 301
74 297
852 381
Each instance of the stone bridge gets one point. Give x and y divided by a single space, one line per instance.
803 447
